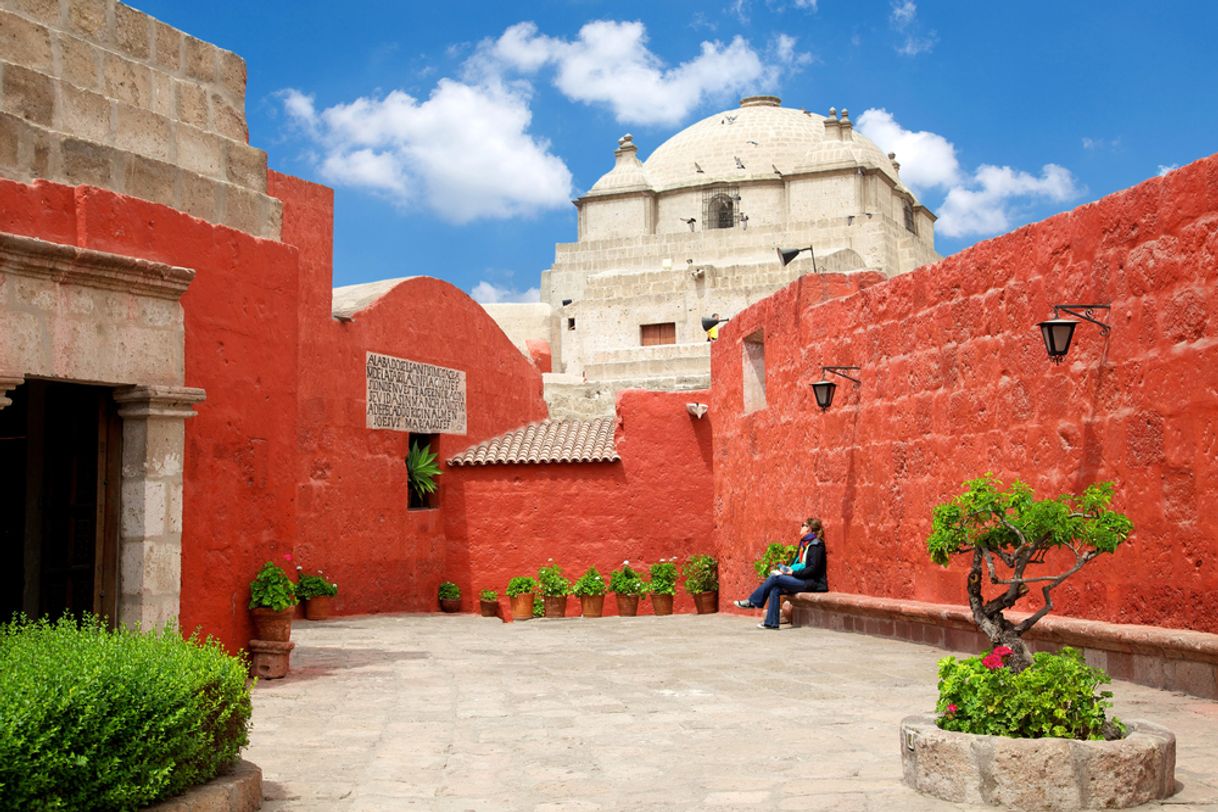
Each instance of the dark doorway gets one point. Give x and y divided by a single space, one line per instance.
60 457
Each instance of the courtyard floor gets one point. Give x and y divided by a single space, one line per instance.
456 712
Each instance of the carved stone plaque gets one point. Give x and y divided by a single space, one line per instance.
405 395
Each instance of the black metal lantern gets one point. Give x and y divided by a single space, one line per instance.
786 255
1058 332
823 390
710 321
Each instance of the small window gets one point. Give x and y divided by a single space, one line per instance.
427 448
721 212
653 334
753 363
910 225
571 323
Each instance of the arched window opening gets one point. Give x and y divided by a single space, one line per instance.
722 212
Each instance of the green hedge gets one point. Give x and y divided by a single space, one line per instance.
94 719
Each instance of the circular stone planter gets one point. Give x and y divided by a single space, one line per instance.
1038 773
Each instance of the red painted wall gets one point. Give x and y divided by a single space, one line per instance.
955 383
508 520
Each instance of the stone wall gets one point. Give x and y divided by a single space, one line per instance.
955 383
94 92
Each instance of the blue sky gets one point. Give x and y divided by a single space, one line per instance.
455 133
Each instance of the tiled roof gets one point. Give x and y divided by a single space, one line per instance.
546 442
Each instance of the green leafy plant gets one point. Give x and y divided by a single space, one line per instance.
314 586
422 468
113 720
1054 696
488 595
539 607
663 578
449 591
701 573
552 582
776 553
521 585
590 584
272 589
1006 531
626 581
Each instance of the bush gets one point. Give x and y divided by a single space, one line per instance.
777 553
315 586
625 581
701 573
539 607
521 585
1055 696
488 595
449 591
272 589
663 578
552 582
590 584
94 719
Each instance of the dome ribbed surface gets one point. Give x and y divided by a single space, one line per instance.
550 441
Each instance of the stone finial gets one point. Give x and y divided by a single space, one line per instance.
627 151
896 166
625 141
845 115
833 113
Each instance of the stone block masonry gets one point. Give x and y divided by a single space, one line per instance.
95 92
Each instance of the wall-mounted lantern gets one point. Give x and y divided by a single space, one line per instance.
1057 332
786 255
824 389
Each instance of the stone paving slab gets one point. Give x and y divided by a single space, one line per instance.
456 712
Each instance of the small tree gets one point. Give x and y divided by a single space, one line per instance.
1012 529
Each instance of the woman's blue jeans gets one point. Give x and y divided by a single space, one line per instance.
769 595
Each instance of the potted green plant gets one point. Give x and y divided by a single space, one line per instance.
554 588
520 591
663 585
627 587
590 589
450 597
488 603
701 573
1005 532
776 554
317 592
422 468
272 601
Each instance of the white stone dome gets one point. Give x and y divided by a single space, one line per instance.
761 135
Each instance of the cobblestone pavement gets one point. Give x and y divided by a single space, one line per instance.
456 712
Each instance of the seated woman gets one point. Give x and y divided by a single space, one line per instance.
807 572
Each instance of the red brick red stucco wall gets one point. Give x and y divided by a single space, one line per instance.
508 520
956 383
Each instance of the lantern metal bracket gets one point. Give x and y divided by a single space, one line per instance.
841 372
1084 312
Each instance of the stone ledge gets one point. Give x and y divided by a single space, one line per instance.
28 256
1171 659
1038 773
239 790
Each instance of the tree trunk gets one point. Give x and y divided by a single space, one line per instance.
990 620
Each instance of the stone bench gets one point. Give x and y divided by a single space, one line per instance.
1170 659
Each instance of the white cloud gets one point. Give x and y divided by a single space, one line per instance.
984 202
785 53
465 152
1098 144
1165 168
610 64
928 160
914 39
488 293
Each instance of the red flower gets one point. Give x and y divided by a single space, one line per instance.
952 708
287 556
992 661
1002 651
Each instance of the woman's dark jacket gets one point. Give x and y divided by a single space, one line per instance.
815 567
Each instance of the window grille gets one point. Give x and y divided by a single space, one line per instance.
910 225
720 206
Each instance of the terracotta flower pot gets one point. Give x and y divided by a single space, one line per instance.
556 605
522 606
592 605
489 608
450 605
319 608
271 625
627 605
707 603
269 658
661 604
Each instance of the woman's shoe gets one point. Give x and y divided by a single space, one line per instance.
763 626
746 604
